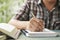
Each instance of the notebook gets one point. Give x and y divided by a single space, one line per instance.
45 33
9 30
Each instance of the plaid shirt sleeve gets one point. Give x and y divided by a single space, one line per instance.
23 14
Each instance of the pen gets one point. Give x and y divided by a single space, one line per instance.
24 32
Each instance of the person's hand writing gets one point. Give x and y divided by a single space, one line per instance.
36 25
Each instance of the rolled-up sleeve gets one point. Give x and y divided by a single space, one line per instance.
23 13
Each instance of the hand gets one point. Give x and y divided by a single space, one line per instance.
36 25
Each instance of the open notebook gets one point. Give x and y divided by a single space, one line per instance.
9 30
45 33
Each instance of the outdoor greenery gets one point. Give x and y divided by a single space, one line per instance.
8 8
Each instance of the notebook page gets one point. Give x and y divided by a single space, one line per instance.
7 27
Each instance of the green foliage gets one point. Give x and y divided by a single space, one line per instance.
6 9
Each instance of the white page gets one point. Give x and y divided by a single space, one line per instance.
45 33
7 27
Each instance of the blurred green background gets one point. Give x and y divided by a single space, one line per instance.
8 9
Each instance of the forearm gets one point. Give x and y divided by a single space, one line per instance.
19 24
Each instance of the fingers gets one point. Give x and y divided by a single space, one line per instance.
36 24
33 28
33 22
